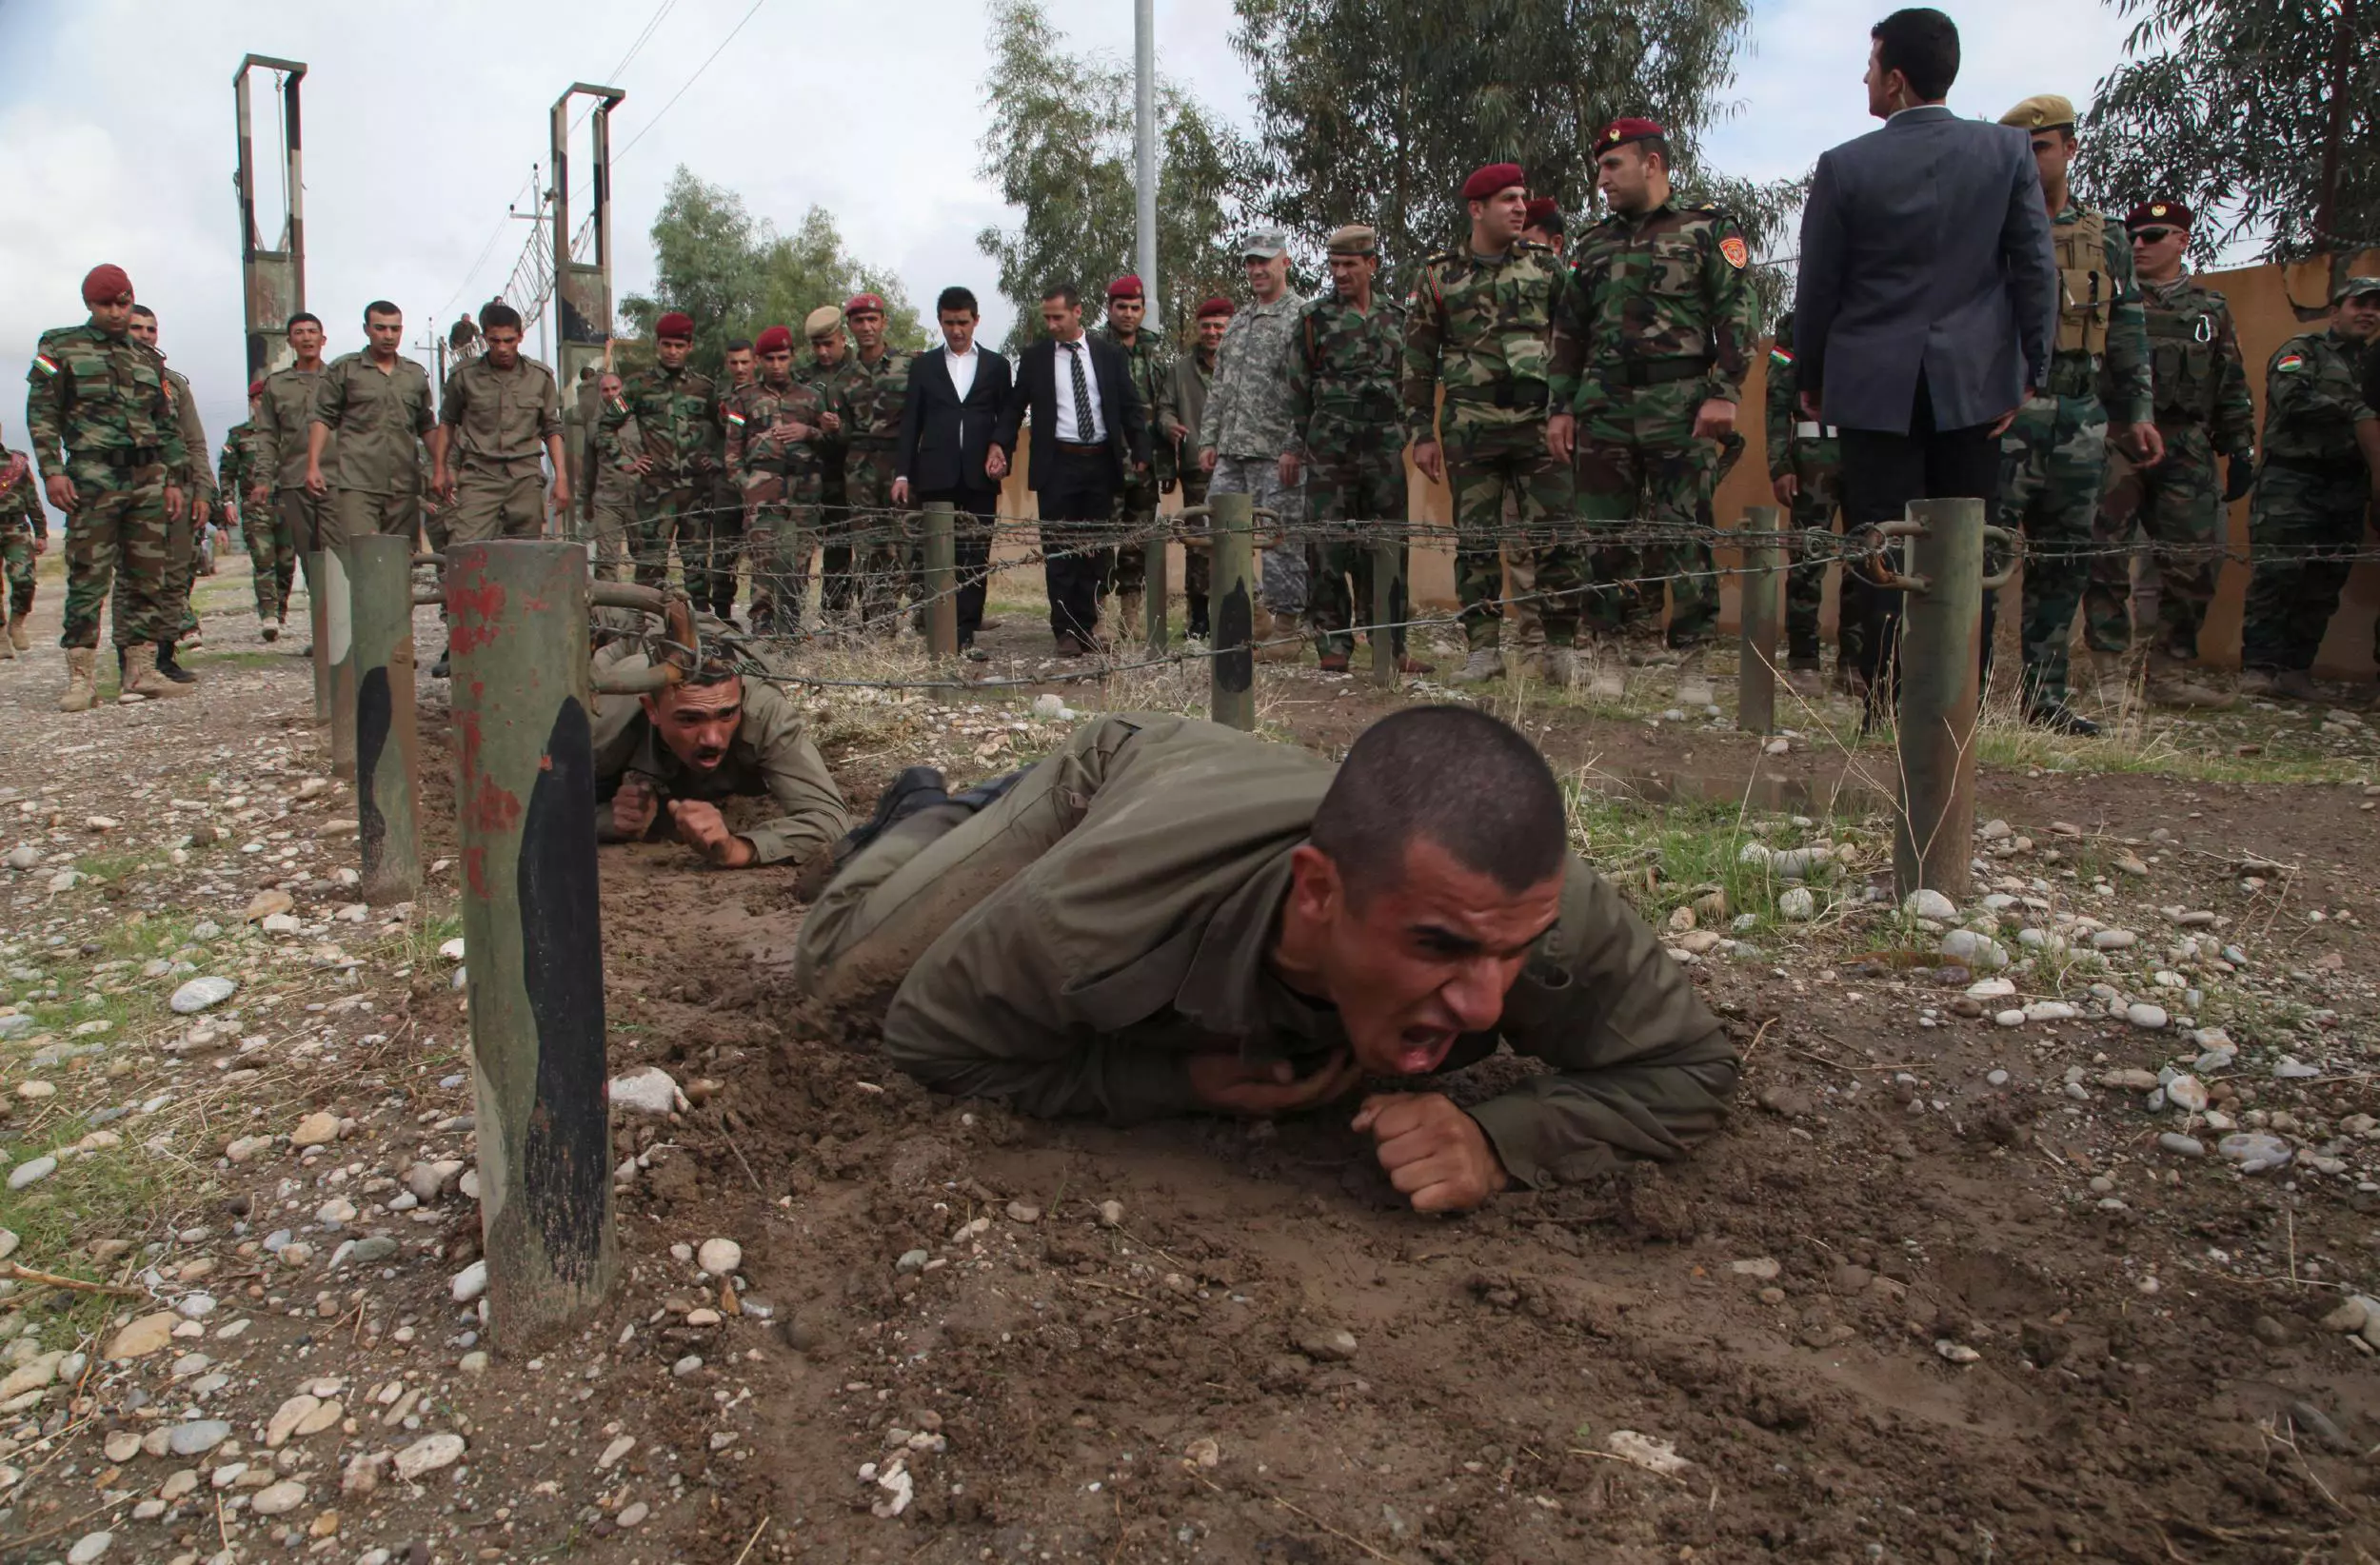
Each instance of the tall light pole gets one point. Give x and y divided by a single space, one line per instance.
1144 163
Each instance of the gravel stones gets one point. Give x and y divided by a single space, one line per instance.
2113 939
720 1257
89 1548
2188 1093
2182 1146
144 1337
470 1282
1329 1344
1926 902
1023 1211
278 1500
2146 1016
201 993
1973 949
197 1437
2254 1151
650 1090
316 1129
1799 904
427 1454
32 1171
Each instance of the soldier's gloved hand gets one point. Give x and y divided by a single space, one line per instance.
1434 1152
1259 1091
2239 476
702 829
633 807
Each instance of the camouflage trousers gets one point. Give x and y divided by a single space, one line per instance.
2053 467
16 568
883 553
272 557
663 515
1284 588
779 535
1817 469
1485 466
2178 503
711 545
117 541
1635 468
1136 521
2302 527
190 556
1364 486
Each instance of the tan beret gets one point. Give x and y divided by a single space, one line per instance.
823 322
2047 111
1354 239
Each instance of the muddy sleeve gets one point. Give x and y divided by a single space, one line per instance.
810 811
1642 1067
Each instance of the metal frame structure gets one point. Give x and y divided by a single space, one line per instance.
272 280
581 289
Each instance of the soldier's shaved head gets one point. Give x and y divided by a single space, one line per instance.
1451 775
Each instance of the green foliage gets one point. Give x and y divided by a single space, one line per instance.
1059 147
735 274
2228 106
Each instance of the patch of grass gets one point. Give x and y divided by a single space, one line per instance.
118 1192
1671 855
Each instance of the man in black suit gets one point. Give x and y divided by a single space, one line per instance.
1089 433
1928 294
955 398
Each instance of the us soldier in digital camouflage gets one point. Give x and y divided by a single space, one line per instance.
100 415
188 540
1246 428
2203 413
1348 445
1650 353
2054 457
1169 917
239 471
1480 325
2321 471
614 486
725 534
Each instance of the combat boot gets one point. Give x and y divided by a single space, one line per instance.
271 630
2259 683
82 679
170 668
2170 684
1561 666
20 637
8 645
1693 685
1484 663
2109 676
141 680
2295 685
1132 615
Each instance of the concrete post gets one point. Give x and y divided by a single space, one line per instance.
318 631
526 794
386 744
339 622
1759 613
1940 664
941 560
1233 698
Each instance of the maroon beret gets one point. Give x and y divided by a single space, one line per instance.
776 339
676 325
1495 177
1620 132
255 389
1541 208
2150 214
1216 305
101 283
860 302
1127 287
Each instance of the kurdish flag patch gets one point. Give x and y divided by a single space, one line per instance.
735 418
2289 363
43 363
1780 356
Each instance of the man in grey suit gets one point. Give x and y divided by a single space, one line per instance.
1927 298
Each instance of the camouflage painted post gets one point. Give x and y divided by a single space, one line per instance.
525 795
338 658
387 773
1232 700
1940 663
1388 562
317 603
1756 665
942 581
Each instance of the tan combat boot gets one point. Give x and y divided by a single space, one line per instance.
82 684
1132 617
7 643
2109 676
19 637
1484 663
2171 683
141 679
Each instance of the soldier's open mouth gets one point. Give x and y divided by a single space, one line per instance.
1422 1049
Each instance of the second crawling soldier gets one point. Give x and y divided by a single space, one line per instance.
1135 501
776 435
1180 409
2054 456
879 389
676 452
1347 444
371 411
99 413
1481 327
1650 353
2203 412
1806 475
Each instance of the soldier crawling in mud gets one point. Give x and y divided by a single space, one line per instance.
1167 915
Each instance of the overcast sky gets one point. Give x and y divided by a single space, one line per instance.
422 120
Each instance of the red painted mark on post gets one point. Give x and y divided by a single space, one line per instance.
478 614
494 809
475 870
546 762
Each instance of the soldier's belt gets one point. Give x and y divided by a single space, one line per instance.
2196 418
129 456
2317 467
1634 372
871 442
1511 393
1807 430
2073 375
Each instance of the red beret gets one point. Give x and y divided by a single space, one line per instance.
2148 214
255 389
1541 208
101 283
676 324
859 301
1127 287
1216 305
1495 177
1620 132
775 340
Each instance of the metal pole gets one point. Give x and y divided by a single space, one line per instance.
1387 565
531 923
1155 585
1756 665
941 580
1940 660
318 626
1144 158
387 776
1233 699
338 626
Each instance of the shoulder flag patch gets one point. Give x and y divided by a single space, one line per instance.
1780 356
1733 248
617 403
43 363
2289 363
735 418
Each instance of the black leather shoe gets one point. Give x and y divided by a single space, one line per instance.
2061 719
172 669
913 789
444 667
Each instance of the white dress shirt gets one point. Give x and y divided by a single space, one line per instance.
1078 427
961 367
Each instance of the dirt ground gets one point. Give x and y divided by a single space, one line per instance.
1939 1293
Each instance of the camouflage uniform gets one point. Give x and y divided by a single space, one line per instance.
198 488
106 399
722 524
613 487
1813 453
1658 320
1482 327
2311 489
22 521
1181 406
876 394
781 481
841 382
677 430
290 524
1247 425
1345 426
2203 412
2054 457
1136 501
271 561
379 418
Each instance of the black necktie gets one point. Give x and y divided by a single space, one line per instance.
1081 395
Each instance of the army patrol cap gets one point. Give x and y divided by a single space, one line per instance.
2044 111
2354 288
823 322
1352 239
1264 245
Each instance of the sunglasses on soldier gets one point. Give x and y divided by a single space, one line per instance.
2149 236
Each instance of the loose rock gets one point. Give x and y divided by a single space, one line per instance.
199 993
427 1454
720 1257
